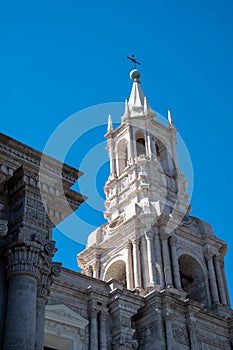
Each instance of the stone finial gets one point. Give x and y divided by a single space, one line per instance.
170 119
110 127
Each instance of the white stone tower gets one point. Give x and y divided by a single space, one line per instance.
150 241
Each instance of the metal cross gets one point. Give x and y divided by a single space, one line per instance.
133 60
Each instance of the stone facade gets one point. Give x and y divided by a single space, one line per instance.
152 278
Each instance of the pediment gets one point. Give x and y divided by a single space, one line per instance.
63 314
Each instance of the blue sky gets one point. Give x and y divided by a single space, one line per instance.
59 57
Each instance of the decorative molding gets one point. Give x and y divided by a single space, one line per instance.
62 314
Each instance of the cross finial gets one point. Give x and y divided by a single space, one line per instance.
133 60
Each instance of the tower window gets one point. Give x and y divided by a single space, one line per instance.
140 143
193 279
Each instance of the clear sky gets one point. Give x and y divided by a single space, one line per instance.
59 57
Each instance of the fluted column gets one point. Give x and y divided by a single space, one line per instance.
166 259
217 261
149 241
136 265
103 330
94 330
129 267
212 277
158 259
175 265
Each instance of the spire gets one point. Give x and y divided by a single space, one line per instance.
136 99
137 106
110 127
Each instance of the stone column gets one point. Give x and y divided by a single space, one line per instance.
149 143
2 299
149 241
225 282
166 259
175 265
136 265
129 267
40 316
217 261
96 268
20 327
103 331
23 273
112 157
144 261
212 277
158 258
93 330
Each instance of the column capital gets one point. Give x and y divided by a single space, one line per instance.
208 254
149 234
128 244
135 241
164 235
104 315
173 240
48 272
93 312
24 260
218 258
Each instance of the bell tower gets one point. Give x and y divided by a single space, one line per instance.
150 241
144 173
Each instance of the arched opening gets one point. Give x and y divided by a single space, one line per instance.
117 271
122 156
165 158
140 143
193 279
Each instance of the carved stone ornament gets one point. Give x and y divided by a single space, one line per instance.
180 334
50 248
3 227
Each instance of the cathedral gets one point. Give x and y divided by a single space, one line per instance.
152 277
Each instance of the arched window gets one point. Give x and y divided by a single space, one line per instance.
117 271
165 158
140 143
122 156
193 279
